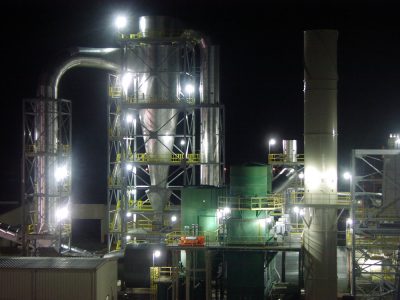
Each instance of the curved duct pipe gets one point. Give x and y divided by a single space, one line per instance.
47 125
48 87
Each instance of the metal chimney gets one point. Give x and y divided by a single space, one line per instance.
320 175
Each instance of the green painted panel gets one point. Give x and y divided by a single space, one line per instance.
199 206
250 180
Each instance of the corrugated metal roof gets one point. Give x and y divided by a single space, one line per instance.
50 262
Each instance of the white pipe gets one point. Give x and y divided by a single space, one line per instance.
320 171
49 88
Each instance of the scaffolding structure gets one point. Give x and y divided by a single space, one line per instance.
131 213
46 173
374 227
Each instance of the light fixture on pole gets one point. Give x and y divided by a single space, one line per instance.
271 142
347 176
156 254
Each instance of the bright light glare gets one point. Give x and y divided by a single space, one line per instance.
349 221
129 118
301 212
313 178
129 214
173 218
61 173
157 253
301 175
268 220
347 175
129 167
126 81
189 88
128 237
142 24
296 209
62 213
219 214
183 142
227 210
272 142
121 22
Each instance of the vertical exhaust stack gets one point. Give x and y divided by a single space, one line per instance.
320 175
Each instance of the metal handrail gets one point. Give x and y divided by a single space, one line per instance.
285 158
168 157
301 198
269 202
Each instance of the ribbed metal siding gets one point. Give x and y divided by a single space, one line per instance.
106 281
16 284
55 284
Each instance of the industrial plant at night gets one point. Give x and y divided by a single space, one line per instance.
179 222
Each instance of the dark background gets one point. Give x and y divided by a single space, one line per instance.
261 74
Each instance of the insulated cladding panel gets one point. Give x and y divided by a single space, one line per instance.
250 180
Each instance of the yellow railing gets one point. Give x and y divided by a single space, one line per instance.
377 242
165 158
300 198
296 227
114 91
270 202
285 158
146 100
33 149
173 237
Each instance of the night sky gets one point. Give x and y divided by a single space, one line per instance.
261 74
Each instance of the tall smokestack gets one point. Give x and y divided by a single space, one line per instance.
320 175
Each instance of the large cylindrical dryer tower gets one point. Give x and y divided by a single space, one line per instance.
320 174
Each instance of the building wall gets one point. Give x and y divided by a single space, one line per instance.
16 284
106 281
51 284
60 284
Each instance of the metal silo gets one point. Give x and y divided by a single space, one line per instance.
172 95
157 70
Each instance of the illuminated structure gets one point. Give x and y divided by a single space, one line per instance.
165 126
180 229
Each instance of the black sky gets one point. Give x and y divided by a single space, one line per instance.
261 73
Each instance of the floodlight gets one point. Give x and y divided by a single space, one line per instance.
121 22
189 88
62 213
61 173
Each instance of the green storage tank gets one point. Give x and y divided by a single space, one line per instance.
199 206
247 228
250 180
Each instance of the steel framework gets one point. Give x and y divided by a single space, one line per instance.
46 180
130 212
374 227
